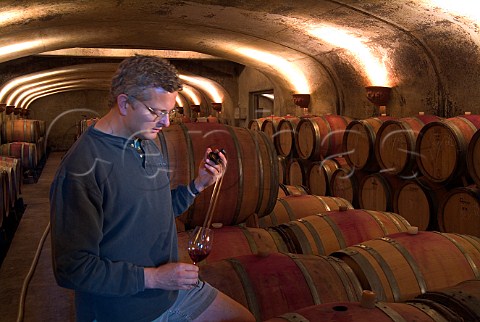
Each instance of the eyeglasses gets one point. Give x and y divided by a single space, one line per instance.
156 113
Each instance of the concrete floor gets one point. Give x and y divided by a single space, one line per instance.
41 299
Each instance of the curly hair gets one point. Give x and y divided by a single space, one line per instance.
137 73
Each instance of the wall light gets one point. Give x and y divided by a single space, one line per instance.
379 95
9 109
289 70
217 107
302 101
374 67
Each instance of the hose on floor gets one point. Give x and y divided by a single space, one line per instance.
28 278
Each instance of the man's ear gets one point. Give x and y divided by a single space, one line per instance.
122 102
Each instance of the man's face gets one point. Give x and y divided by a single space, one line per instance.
150 113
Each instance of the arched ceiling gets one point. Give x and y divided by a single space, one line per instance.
331 49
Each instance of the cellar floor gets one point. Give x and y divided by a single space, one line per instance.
28 291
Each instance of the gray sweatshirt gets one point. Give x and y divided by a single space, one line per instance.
112 213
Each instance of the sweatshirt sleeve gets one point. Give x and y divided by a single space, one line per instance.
76 231
181 199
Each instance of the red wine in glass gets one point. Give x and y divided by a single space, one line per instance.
200 244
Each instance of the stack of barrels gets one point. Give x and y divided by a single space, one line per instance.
21 153
422 167
404 275
316 256
24 139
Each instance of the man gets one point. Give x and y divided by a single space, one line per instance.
114 237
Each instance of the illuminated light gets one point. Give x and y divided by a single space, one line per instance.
205 85
49 86
24 79
40 89
34 96
193 97
374 67
291 72
106 68
18 47
179 101
466 8
28 87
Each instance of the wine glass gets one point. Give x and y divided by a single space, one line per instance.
200 244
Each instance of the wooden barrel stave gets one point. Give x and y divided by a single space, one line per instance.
345 183
377 190
295 207
380 312
231 241
250 184
26 152
359 143
319 174
395 143
442 146
460 211
418 201
275 284
21 130
319 137
297 171
292 190
284 139
473 154
401 266
463 298
325 233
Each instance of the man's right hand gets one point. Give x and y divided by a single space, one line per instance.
171 276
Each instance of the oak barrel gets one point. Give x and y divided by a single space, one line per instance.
269 126
232 241
295 207
281 282
26 152
282 169
297 171
381 312
463 299
418 200
21 130
460 211
319 174
359 143
322 234
319 137
473 155
442 146
250 184
401 266
4 197
345 183
284 139
255 124
16 165
292 190
395 143
377 191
